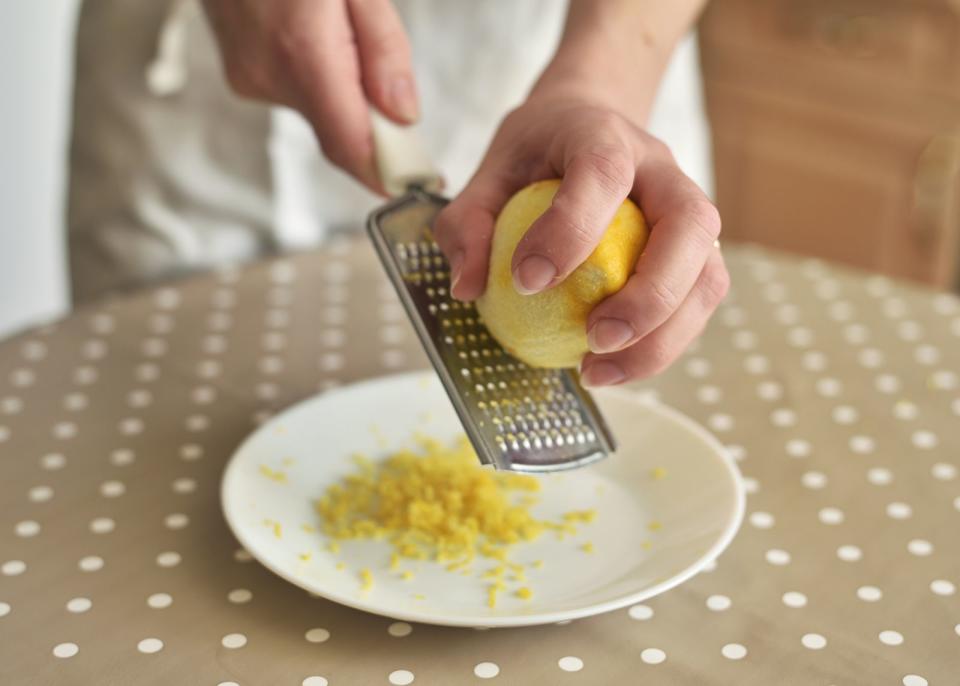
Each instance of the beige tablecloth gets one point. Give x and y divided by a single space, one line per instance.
838 394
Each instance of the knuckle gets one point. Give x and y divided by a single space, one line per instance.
715 282
666 298
613 169
704 217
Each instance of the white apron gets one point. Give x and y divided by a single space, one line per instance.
171 173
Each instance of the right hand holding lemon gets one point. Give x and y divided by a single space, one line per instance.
668 291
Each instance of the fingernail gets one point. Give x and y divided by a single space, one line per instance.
456 269
533 275
404 99
609 335
603 373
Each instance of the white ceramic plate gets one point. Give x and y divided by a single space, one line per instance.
694 508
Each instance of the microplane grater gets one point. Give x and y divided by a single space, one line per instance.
517 417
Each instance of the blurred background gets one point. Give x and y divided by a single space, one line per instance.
836 133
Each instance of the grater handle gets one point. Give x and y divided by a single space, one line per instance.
402 159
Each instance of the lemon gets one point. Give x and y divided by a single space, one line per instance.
548 329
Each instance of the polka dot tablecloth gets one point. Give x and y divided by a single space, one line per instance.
838 394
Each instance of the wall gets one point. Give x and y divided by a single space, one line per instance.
36 48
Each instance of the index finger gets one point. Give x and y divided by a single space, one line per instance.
684 227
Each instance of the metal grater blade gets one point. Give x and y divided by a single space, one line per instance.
517 417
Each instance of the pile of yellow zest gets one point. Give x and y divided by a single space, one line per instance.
437 503
434 504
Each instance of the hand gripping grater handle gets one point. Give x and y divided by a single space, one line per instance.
517 417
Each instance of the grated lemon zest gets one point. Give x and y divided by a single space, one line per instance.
274 474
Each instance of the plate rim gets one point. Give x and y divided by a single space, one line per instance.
730 529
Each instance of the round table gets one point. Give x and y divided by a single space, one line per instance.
837 392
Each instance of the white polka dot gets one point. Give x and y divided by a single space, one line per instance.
814 361
317 635
4 609
778 557
871 358
840 311
176 520
905 410
27 528
150 645
65 650
798 448
40 494
168 559
13 567
745 340
65 430
783 417
769 390
787 314
856 334
191 452
91 563
75 401
750 485
399 629
891 638
956 503
944 380
733 651
800 337
102 525
914 680
184 485
829 387
22 378
240 596
887 383
955 406
11 405
761 520
242 555
640 612
720 422
393 359
830 515
845 414
718 603
925 440
794 599
899 511
869 594
737 452
849 553
879 476
112 489
943 587
147 372
53 461
486 670
920 547
233 641
228 683
331 362
131 426
120 458
653 656
926 354
943 471
813 641
159 601
79 605
314 681
814 480
400 677
709 395
862 445
756 364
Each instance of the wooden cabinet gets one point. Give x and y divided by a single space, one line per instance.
836 127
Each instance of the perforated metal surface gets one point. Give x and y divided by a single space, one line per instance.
517 417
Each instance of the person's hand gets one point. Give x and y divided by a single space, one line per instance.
328 59
603 158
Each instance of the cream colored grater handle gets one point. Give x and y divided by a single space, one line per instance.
402 159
